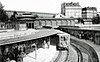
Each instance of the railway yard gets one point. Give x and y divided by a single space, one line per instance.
80 50
73 35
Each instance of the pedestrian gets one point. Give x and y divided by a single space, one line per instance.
45 43
12 61
7 60
16 53
48 42
1 58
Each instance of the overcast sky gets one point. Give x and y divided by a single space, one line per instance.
47 6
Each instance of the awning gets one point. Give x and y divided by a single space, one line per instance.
39 34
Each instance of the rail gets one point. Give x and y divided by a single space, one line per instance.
91 52
79 53
58 57
62 56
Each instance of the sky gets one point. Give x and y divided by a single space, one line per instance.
47 6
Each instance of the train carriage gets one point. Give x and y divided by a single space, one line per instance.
63 41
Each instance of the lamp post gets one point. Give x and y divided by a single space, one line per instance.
35 50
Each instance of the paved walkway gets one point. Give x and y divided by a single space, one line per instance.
49 55
43 55
96 47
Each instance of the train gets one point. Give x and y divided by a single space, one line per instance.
63 41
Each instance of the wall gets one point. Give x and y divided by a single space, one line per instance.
20 26
54 22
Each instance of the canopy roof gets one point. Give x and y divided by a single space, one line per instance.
39 34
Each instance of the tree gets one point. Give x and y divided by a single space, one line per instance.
13 17
3 15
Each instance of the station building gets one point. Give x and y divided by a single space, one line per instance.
71 10
10 25
29 20
45 23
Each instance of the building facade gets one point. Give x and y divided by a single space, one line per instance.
44 22
54 22
71 10
31 22
89 12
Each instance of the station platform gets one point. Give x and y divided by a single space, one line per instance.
49 55
94 46
41 55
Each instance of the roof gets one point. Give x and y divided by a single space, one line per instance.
55 18
71 4
90 8
62 34
25 17
30 12
84 29
39 34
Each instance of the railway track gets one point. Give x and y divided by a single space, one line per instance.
83 47
62 56
79 53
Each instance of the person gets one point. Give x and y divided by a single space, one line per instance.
19 59
12 61
8 57
48 42
7 60
44 43
0 57
33 46
11 55
86 35
21 54
16 52
5 54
